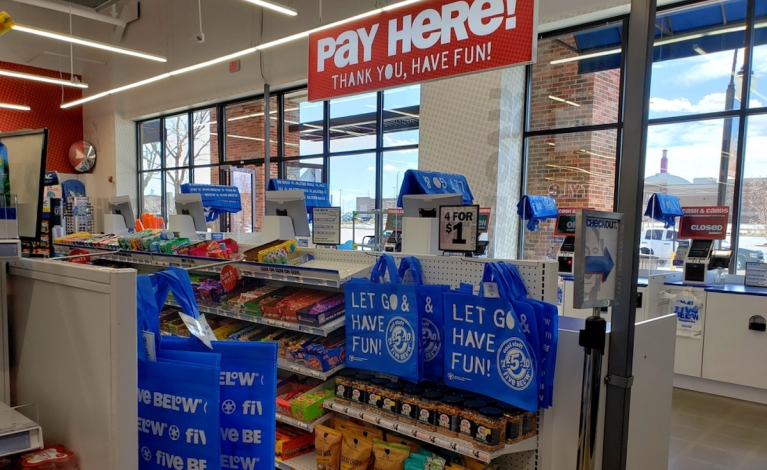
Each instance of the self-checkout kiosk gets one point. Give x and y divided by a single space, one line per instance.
120 220
420 225
286 216
565 227
703 263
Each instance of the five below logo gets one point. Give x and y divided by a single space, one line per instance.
686 311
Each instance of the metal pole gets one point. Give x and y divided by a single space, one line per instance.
267 137
592 339
724 165
629 200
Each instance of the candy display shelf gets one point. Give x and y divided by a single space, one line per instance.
323 330
302 425
329 268
456 445
302 462
284 364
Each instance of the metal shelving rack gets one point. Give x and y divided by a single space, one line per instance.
456 445
332 269
314 330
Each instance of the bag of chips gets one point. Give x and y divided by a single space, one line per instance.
389 456
355 451
327 446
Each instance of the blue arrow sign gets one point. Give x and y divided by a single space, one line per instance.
600 265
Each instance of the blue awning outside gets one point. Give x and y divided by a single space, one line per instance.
693 21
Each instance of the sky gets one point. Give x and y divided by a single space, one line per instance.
696 85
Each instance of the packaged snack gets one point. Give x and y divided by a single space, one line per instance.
345 425
50 457
402 440
389 456
355 452
327 447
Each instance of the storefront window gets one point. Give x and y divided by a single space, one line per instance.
752 246
577 170
352 188
576 80
358 143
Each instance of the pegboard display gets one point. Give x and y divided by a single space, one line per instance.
519 461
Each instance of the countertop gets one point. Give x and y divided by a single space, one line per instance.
728 288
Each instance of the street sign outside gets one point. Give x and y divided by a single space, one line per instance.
597 245
458 228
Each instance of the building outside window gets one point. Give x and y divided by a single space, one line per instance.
703 143
361 146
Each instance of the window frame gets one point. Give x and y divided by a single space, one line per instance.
379 149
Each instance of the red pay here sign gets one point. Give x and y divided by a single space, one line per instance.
704 223
426 40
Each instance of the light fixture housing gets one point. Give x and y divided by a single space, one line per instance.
278 7
87 42
41 78
18 107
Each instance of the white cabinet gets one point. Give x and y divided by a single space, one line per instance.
568 310
733 353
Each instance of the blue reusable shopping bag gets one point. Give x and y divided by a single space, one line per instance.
430 309
486 349
665 208
535 209
248 384
383 327
178 398
547 316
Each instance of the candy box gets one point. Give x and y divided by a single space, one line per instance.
326 359
285 393
322 312
309 406
292 442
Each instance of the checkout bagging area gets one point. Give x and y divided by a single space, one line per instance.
721 340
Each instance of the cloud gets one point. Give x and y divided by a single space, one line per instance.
390 168
710 103
371 168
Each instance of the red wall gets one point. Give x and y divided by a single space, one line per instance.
65 126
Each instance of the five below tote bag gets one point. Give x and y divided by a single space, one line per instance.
383 327
486 349
248 393
430 309
178 398
547 316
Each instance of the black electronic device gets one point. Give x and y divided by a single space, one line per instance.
566 255
697 269
720 259
394 242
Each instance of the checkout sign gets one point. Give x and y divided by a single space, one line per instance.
704 223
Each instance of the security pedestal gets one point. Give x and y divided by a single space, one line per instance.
592 339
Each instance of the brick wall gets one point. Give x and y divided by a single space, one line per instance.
577 169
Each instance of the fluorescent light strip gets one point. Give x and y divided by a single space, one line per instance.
562 100
17 107
241 53
275 6
240 118
661 42
258 139
40 78
87 42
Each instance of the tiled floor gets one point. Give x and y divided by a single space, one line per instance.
710 432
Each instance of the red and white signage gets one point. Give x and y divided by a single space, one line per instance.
704 223
427 40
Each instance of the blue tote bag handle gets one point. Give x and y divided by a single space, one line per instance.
177 280
493 274
385 263
412 264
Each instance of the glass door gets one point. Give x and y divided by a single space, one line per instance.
244 179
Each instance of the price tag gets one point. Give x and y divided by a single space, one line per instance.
458 228
199 327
